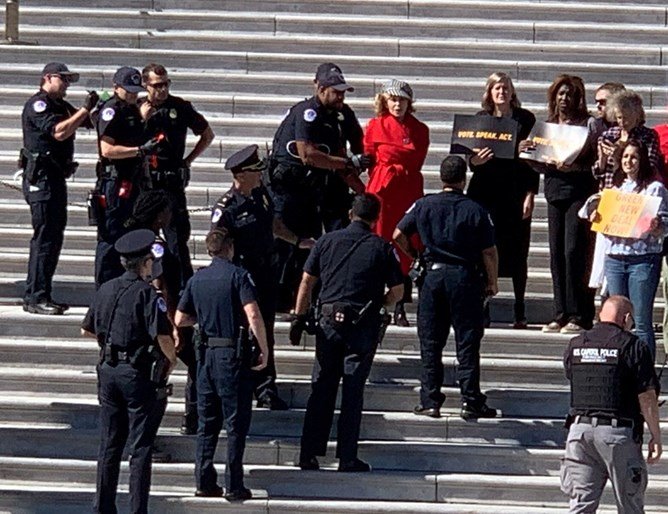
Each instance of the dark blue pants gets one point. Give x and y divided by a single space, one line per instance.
224 393
48 209
118 210
188 357
177 233
265 284
129 408
450 296
346 354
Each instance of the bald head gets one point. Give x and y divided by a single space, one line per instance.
616 309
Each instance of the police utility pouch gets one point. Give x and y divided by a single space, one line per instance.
30 165
340 314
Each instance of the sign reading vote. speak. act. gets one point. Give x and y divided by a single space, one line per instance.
471 134
555 143
625 214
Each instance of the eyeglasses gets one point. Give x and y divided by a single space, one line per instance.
63 78
160 85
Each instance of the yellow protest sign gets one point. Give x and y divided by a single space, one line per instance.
625 214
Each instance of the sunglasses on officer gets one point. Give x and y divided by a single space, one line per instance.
160 85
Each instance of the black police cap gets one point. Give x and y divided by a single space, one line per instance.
58 68
129 79
245 160
135 243
329 74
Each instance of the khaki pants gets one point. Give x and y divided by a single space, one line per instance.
596 454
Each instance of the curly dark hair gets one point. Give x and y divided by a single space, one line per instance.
646 173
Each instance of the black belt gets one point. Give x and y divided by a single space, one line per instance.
220 342
613 422
440 265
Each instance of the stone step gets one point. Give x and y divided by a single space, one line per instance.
402 66
82 413
51 443
34 496
281 481
512 10
249 39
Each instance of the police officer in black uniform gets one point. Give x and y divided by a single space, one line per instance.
49 124
222 299
170 117
153 211
354 266
129 320
308 144
614 388
337 198
459 240
247 212
123 149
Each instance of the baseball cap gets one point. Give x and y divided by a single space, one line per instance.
129 79
58 68
329 74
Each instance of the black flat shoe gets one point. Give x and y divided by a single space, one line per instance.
477 411
354 466
309 464
216 492
45 308
239 495
272 403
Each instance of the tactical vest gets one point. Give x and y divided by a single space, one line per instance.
596 375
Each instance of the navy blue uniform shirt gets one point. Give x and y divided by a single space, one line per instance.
40 115
309 121
173 118
215 295
364 274
123 123
250 221
139 315
452 227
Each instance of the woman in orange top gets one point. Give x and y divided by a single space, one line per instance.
398 142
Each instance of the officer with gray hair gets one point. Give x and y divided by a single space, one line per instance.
614 389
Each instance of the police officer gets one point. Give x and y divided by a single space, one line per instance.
170 117
613 389
222 299
459 240
49 124
307 145
153 211
354 266
129 320
123 149
247 212
336 195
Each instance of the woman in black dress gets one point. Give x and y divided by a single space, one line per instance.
506 188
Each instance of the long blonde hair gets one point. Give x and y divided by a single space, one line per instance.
496 77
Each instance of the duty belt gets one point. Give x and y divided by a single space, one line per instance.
219 342
595 421
112 354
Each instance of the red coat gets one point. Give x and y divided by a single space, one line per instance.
399 150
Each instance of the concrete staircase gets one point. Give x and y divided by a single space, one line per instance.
243 64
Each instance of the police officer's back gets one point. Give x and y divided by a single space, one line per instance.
129 320
222 299
354 266
614 390
49 123
459 239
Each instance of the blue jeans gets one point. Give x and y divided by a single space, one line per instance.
636 277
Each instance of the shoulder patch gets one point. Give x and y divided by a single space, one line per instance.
39 106
215 217
310 115
108 114
161 304
157 250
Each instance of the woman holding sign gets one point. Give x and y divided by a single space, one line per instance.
633 264
398 142
506 188
568 184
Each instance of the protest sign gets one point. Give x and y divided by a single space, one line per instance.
555 143
473 133
625 214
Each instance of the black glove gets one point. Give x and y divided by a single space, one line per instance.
91 101
149 147
297 327
361 161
